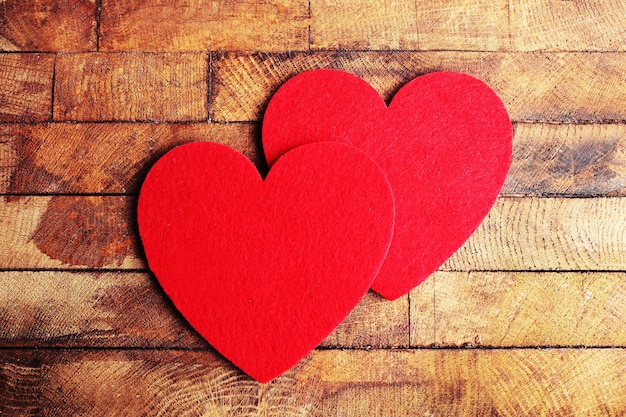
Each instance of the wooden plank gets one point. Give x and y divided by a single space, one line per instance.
569 160
71 309
26 87
374 323
547 234
131 86
347 24
502 309
580 160
406 24
519 234
478 25
555 382
68 232
36 25
151 25
128 309
535 87
89 158
548 160
554 25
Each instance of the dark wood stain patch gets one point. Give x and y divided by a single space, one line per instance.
89 231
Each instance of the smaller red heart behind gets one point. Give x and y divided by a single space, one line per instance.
264 270
444 143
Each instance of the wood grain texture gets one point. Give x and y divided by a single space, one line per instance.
89 158
526 319
538 234
520 234
555 382
574 160
96 309
26 87
548 160
554 25
374 323
496 309
502 309
535 87
346 24
152 25
131 86
479 25
66 231
129 309
57 25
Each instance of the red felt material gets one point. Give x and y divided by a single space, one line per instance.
444 142
264 270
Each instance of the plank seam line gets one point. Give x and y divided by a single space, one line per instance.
540 196
34 52
69 194
537 271
309 26
508 16
79 269
408 327
144 121
258 122
434 306
580 122
313 51
477 51
318 349
468 347
98 17
125 122
209 87
418 38
52 88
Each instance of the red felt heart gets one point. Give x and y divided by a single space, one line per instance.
444 143
264 270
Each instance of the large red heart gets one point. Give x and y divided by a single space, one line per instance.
264 270
444 143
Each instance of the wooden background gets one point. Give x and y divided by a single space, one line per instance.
528 318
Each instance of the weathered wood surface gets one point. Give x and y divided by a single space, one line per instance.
387 24
65 231
131 86
502 309
479 309
528 318
26 87
521 234
526 382
47 25
548 88
104 309
151 25
548 160
535 87
91 158
479 25
129 309
554 25
535 234
566 159
517 25
406 24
